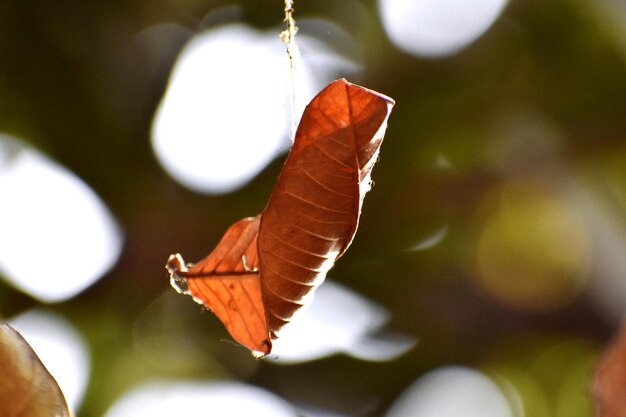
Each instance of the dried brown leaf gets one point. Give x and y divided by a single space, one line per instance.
26 387
264 268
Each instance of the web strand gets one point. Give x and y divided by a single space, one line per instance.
288 36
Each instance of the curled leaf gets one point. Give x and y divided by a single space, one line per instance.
26 387
313 212
264 268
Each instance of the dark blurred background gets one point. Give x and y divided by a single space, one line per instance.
494 235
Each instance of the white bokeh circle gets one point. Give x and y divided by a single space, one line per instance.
437 28
57 236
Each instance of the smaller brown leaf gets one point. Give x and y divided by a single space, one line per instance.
610 380
26 387
227 283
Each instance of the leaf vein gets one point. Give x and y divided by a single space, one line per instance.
296 196
315 180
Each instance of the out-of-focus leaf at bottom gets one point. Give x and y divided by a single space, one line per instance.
610 379
26 387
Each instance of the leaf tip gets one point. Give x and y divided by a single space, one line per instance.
390 102
176 267
266 347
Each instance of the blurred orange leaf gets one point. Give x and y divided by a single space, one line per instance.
26 387
610 380
263 269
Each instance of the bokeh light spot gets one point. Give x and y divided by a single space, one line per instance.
61 350
534 250
521 388
544 375
339 320
452 391
57 236
199 399
615 167
226 112
430 241
436 28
